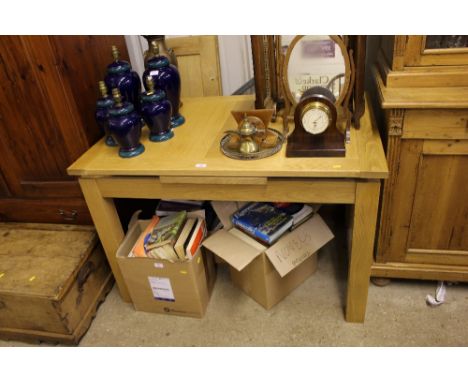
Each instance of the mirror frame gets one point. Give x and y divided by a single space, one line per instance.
266 48
344 51
265 66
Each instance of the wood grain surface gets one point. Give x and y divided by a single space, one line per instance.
48 90
194 151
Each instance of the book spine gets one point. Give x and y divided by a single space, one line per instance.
180 252
200 234
138 249
244 226
164 252
252 230
256 238
173 233
152 246
171 252
280 232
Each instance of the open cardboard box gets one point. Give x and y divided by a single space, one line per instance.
159 286
270 274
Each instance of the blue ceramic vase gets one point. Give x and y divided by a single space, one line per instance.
125 126
166 77
156 111
121 76
101 115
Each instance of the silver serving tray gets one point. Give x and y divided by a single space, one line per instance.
262 153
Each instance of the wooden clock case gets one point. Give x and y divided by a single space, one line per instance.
330 143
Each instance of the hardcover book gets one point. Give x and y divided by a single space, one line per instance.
166 231
138 249
300 212
169 207
262 221
196 238
163 252
184 237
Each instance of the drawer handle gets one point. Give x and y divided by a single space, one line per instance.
68 215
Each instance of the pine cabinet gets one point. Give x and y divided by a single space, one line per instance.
423 231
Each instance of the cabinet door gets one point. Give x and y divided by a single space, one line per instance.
436 50
438 230
48 86
428 219
198 62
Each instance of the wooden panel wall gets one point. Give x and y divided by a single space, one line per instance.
82 62
48 88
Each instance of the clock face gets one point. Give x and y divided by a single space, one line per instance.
315 121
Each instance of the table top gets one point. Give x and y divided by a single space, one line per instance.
195 150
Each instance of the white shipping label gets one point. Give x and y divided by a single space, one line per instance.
161 288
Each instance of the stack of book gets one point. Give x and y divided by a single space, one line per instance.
167 207
267 222
174 237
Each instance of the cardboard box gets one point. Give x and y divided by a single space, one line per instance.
270 274
159 286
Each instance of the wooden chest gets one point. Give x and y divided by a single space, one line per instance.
52 279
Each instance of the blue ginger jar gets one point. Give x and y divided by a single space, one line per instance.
125 126
156 111
101 115
167 78
121 76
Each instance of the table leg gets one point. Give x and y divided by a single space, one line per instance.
109 229
362 248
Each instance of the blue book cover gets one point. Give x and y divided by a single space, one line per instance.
263 221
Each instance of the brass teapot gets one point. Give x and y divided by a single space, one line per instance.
248 128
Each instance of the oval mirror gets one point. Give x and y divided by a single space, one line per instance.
316 61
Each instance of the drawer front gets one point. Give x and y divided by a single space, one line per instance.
46 210
436 124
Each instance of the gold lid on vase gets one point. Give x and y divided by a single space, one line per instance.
150 85
103 89
117 97
115 52
154 48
